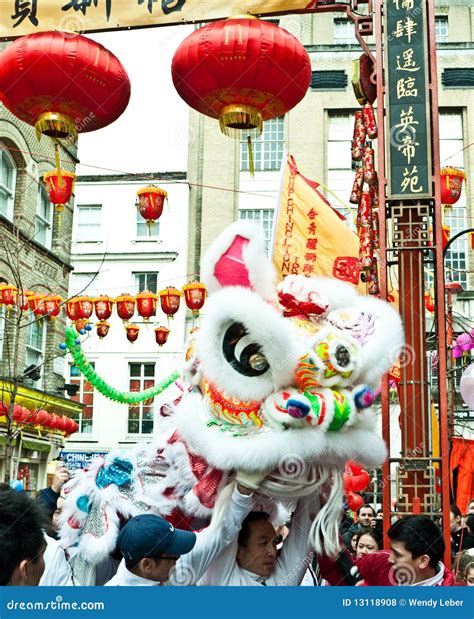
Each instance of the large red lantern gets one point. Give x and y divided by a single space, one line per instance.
146 304
242 71
451 185
150 203
125 305
102 328
43 418
85 307
36 305
132 332
59 187
194 295
72 310
161 335
8 294
76 86
169 300
103 307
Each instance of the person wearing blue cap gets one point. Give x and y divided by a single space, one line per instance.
150 546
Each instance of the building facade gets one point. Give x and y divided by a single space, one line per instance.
114 252
34 255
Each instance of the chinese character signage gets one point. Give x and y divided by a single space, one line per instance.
311 238
19 17
408 112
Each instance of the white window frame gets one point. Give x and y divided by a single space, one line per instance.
142 378
80 393
442 28
44 225
344 31
267 149
39 352
142 230
136 281
80 227
265 219
9 192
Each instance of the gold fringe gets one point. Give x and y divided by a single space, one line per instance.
55 125
236 118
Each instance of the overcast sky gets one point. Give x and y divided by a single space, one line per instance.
152 133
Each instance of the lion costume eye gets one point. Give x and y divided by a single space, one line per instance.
243 354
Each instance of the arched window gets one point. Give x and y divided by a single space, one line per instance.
7 182
44 218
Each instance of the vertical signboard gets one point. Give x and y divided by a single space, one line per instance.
409 172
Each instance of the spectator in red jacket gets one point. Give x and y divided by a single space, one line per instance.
417 548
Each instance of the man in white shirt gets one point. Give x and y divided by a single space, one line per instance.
251 558
57 571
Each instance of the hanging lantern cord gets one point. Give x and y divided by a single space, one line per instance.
58 162
251 162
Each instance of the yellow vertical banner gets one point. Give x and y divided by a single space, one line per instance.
311 238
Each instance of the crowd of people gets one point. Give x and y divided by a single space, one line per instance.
241 546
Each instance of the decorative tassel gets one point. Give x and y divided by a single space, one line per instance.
251 162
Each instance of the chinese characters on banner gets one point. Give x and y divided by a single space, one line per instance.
311 238
409 146
20 17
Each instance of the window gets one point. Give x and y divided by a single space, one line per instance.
441 29
35 346
344 32
142 227
340 166
85 395
329 80
264 217
145 281
7 182
44 218
458 78
88 222
140 416
451 154
267 149
84 283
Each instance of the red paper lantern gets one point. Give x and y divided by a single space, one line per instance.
242 71
73 426
54 422
43 418
59 187
194 296
132 332
354 501
103 307
36 305
8 294
146 304
80 325
169 300
72 310
150 203
85 307
429 303
451 185
22 299
20 413
125 305
161 335
77 85
52 305
102 328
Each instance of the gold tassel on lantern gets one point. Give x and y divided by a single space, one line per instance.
251 162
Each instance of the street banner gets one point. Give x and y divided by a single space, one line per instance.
19 17
310 237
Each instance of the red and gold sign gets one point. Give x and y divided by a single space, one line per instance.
132 332
103 307
169 300
161 335
8 294
102 328
77 85
59 187
150 203
194 295
451 185
237 70
146 304
125 305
